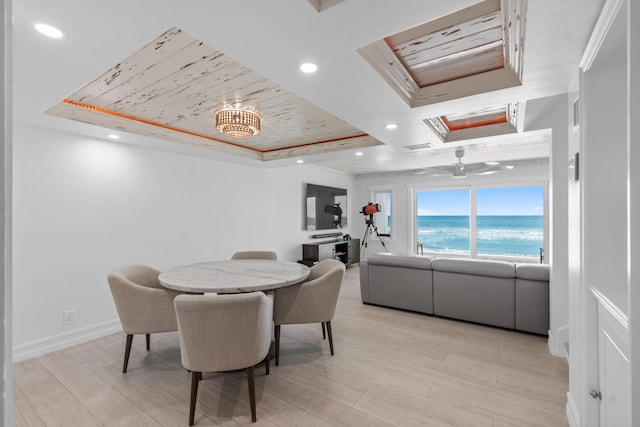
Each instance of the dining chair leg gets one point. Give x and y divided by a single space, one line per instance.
127 350
330 336
266 364
324 334
195 378
148 336
252 393
277 333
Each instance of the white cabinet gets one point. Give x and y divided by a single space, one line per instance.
614 371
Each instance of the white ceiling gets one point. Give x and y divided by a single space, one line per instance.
273 38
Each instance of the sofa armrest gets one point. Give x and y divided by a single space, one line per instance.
364 282
401 287
533 272
532 298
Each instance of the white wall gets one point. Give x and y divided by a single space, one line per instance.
6 378
554 115
82 207
605 184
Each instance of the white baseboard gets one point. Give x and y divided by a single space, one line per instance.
67 339
558 342
572 413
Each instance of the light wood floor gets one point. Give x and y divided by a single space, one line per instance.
390 368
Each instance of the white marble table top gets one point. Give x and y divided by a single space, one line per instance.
237 275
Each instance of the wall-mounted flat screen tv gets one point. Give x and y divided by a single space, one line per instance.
326 207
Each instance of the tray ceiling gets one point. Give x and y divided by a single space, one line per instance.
474 50
489 121
173 86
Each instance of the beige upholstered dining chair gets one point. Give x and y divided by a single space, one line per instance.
255 255
312 301
222 333
144 305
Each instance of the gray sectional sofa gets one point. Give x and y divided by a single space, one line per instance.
497 293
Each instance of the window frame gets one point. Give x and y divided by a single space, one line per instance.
379 189
473 207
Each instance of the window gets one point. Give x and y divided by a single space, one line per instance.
510 221
481 222
443 221
382 219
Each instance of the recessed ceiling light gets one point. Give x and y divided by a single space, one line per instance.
359 153
49 30
308 67
299 161
391 126
113 136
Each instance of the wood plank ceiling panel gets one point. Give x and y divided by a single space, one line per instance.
459 66
173 86
167 44
443 42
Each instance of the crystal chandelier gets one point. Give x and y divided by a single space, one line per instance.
237 123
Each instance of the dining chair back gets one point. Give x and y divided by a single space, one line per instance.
312 301
223 333
143 304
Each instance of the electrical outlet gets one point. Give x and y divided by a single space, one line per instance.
68 317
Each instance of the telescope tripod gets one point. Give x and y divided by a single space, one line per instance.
371 227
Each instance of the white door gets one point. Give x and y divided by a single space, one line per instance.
614 371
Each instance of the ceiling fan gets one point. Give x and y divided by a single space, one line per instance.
460 170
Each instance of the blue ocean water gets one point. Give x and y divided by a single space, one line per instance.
496 235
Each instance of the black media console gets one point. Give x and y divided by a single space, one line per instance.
347 251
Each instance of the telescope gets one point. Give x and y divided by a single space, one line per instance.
371 208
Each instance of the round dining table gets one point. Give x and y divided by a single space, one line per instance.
234 276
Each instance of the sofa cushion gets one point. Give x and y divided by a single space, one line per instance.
475 267
475 298
533 272
400 260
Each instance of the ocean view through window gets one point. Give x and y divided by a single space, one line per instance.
505 221
443 221
510 221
